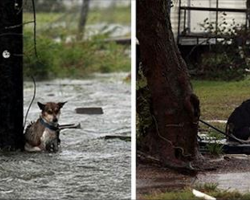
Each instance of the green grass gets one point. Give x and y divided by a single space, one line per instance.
118 15
187 195
121 15
215 149
172 195
218 98
208 188
42 18
79 58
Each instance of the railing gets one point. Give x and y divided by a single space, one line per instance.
183 9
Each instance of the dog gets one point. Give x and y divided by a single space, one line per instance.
238 123
43 135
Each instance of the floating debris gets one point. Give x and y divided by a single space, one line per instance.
89 111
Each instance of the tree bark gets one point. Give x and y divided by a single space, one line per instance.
175 108
83 16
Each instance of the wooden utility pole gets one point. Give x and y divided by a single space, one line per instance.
11 75
83 16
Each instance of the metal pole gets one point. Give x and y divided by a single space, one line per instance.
179 23
216 23
11 75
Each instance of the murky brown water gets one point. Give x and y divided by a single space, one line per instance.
87 167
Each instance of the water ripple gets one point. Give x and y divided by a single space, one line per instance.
87 166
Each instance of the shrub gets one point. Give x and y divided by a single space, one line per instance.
75 59
223 66
40 66
227 59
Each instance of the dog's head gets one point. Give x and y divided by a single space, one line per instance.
51 111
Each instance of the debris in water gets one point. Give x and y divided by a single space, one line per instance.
121 137
89 111
202 195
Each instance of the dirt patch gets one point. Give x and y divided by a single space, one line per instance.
230 172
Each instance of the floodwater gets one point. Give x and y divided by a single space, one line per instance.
87 166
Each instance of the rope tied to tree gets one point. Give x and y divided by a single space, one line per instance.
181 125
168 141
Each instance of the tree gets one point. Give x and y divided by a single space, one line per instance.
83 16
174 107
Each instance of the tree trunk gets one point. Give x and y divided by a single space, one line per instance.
175 109
83 16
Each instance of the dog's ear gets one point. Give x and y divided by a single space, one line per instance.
41 106
61 104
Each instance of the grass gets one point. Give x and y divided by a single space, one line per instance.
42 18
117 15
219 98
73 60
121 15
208 188
215 149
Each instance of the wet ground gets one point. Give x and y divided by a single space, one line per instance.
228 181
232 172
87 166
152 179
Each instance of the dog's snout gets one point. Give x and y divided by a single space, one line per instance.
55 120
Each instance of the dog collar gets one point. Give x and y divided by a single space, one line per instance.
49 126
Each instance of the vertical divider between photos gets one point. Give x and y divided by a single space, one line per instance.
133 99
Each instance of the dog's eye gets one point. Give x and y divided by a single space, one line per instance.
50 112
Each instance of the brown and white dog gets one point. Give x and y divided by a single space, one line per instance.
43 135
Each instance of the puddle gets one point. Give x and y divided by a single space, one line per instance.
228 181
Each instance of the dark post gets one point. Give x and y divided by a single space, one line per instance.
11 75
83 15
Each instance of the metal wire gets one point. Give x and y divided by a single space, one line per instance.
31 102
